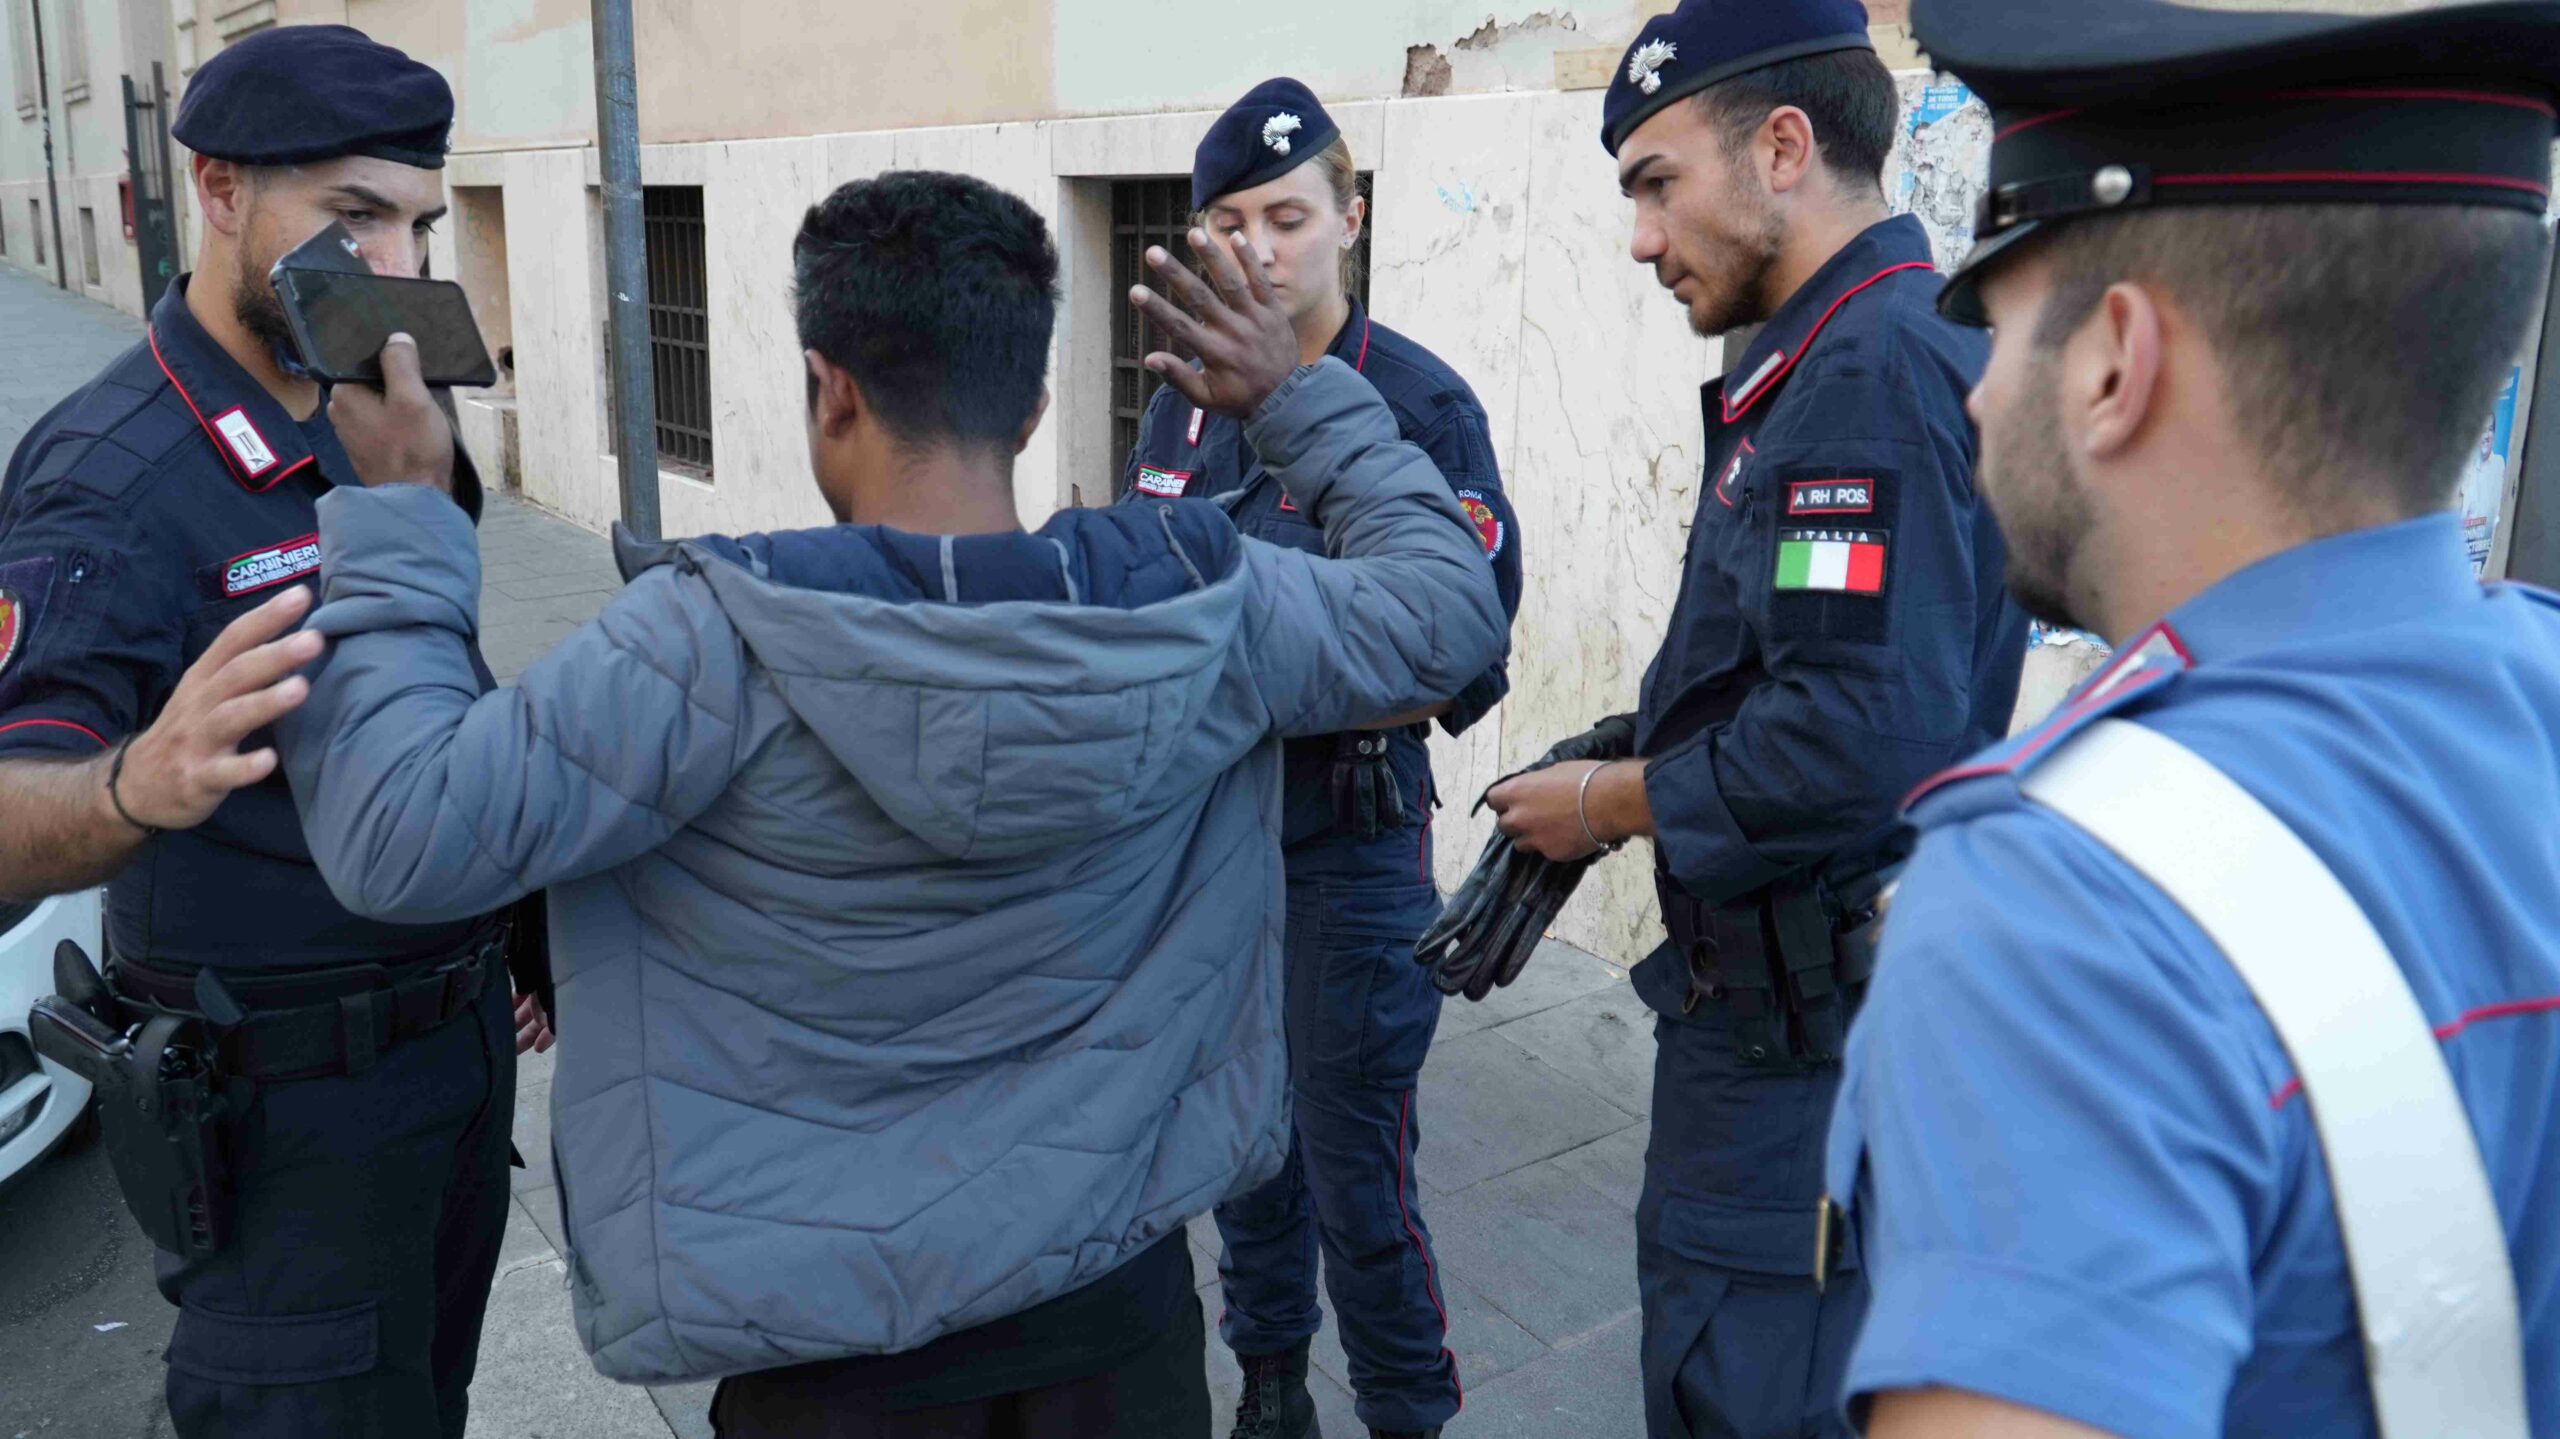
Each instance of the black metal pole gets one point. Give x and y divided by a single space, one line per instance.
44 107
626 282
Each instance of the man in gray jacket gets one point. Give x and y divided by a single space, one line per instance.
915 883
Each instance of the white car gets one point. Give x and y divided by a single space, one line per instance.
40 1101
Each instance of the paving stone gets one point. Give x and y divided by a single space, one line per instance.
1590 1389
686 1407
534 1381
1553 1253
1554 975
1487 1107
563 579
1604 1041
1613 1165
544 1205
525 1243
532 1135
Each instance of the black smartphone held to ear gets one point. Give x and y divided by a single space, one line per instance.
341 314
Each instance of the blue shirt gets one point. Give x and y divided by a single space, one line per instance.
1841 631
1185 452
2083 1179
152 507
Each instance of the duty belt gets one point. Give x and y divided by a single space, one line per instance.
310 1023
1789 963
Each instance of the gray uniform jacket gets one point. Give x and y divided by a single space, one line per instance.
918 958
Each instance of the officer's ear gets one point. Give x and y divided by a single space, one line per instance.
836 402
1031 426
2112 369
226 191
1786 148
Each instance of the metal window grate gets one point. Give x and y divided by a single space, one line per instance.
679 323
1158 212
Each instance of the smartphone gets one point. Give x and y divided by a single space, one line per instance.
340 320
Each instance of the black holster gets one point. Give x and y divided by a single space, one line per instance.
163 1108
1790 964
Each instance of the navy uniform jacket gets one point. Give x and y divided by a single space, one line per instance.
1183 451
1842 631
141 515
2078 1163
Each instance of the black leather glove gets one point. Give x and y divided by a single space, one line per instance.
1490 927
1365 802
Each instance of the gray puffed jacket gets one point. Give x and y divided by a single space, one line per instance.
915 903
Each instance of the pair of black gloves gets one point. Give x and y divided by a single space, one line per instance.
1489 928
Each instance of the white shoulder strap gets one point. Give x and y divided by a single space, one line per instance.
2424 1241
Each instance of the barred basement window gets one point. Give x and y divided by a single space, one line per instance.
1158 212
679 323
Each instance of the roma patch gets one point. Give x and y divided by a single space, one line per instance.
1834 561
1488 524
1831 497
1163 484
23 586
262 568
13 625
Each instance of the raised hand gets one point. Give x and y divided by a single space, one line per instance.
1243 338
177 772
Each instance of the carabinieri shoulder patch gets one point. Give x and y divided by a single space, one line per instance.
1164 484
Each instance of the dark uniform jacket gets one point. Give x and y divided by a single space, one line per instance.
1183 451
138 517
1842 630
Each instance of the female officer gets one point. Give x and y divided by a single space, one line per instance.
1356 824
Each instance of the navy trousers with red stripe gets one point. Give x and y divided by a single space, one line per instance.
1360 1015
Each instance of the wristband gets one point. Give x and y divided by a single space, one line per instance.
115 773
1581 810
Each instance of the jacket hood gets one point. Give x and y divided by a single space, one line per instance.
994 694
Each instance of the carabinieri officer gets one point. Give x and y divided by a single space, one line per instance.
1356 827
1840 633
2111 1173
333 1283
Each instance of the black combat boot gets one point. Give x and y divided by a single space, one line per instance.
1276 1404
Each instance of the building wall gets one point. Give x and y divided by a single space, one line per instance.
88 140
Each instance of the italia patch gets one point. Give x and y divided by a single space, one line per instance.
1488 524
1164 484
1837 561
1831 497
264 568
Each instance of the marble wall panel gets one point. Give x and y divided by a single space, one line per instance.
1448 256
1606 476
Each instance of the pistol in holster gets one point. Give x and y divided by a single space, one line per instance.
1789 963
162 1105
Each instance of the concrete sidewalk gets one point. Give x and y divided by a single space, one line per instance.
1532 1110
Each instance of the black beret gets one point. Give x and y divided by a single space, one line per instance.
2111 105
1707 41
298 94
1274 129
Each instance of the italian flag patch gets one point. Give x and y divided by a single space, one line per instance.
1844 561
